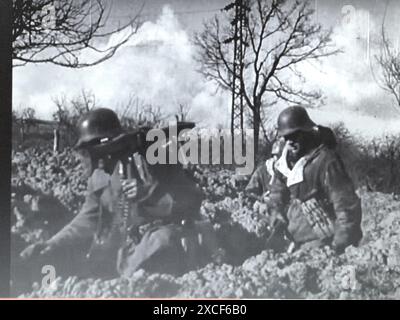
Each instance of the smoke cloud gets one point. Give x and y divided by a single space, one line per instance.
158 66
348 80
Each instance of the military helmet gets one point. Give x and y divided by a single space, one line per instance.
96 125
294 119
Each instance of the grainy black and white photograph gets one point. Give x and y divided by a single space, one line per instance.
205 149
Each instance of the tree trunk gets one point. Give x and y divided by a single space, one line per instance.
256 127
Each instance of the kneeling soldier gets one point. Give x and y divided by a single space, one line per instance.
312 194
125 194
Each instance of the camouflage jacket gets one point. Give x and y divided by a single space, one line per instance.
166 194
319 201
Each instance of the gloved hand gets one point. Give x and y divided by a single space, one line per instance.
36 249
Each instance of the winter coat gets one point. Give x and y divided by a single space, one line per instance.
259 182
317 199
166 195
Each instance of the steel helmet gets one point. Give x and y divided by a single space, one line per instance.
96 125
294 119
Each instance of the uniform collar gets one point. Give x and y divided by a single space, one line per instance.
296 174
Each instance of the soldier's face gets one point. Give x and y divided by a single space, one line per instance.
92 160
106 162
297 143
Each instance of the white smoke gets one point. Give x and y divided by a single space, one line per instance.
157 66
348 81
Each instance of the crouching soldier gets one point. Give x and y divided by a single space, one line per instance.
261 180
312 194
135 215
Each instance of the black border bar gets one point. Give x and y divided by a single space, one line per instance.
5 142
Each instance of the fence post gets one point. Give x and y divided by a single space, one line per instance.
22 133
56 141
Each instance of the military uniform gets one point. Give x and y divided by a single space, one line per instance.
317 199
151 224
262 177
165 196
259 181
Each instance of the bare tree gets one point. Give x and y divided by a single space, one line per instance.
28 117
68 112
280 35
58 32
28 114
24 119
389 63
135 113
183 111
84 102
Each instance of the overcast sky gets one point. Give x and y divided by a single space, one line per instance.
158 66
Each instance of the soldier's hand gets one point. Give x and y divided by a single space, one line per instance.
130 188
36 249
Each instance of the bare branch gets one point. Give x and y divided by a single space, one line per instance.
58 32
389 63
280 34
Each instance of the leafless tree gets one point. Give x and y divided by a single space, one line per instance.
389 63
69 110
183 111
27 117
280 35
135 113
28 114
24 119
59 31
84 102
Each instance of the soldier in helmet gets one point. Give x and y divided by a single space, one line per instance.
312 194
146 219
260 182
